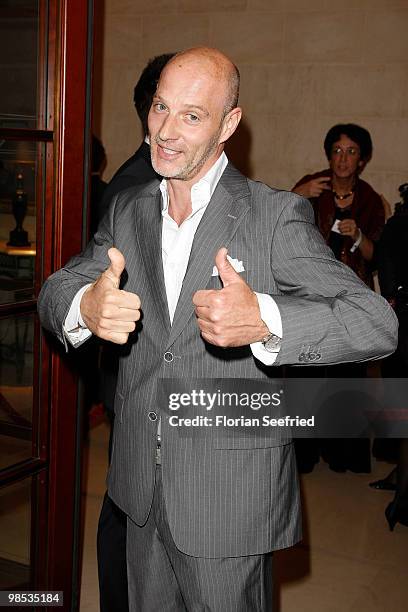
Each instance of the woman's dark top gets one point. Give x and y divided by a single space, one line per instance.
366 209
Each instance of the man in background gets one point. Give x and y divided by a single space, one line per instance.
111 540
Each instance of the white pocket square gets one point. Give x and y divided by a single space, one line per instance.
235 263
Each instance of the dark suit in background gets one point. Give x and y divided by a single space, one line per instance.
111 539
393 279
137 170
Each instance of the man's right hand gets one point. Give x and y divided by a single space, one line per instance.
313 188
107 311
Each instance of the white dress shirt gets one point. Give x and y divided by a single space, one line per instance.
177 241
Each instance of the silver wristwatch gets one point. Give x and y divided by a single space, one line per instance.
271 343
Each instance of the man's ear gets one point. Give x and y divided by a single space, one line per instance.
230 124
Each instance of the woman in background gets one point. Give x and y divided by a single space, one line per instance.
350 216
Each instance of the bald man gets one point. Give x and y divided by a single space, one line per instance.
205 512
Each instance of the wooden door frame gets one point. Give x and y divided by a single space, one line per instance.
70 116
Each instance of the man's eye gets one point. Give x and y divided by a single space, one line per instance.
193 118
160 107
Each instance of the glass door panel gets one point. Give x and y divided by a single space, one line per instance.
16 388
19 177
19 26
15 535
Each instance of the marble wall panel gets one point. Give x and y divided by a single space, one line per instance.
324 36
255 39
305 65
386 37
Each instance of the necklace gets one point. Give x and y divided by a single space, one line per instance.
344 196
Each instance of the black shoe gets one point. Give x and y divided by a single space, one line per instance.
394 513
383 485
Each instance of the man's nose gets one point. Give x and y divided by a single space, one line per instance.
168 129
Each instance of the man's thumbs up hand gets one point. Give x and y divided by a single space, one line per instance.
117 265
229 316
107 311
227 273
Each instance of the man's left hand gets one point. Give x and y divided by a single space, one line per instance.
229 316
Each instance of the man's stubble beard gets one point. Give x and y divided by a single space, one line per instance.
193 167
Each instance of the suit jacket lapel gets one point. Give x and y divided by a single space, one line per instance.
149 225
224 213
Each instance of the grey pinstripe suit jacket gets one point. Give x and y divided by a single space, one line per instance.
232 496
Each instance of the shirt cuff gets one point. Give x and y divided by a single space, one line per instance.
357 242
270 315
74 328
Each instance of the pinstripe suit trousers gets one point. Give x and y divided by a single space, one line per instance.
163 579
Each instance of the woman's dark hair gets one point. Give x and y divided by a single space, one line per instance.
356 133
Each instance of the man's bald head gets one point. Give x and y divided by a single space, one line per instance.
216 63
193 113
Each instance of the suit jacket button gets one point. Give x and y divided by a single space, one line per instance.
152 416
168 357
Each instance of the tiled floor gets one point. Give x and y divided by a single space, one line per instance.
348 561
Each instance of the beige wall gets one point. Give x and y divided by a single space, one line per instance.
305 65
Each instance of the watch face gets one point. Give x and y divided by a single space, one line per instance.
272 344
